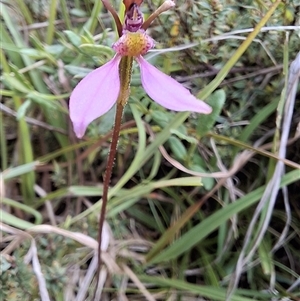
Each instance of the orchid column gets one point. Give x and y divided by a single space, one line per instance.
110 84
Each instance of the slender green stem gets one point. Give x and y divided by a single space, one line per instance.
280 110
51 27
12 36
125 78
25 11
25 153
65 13
91 23
3 146
25 148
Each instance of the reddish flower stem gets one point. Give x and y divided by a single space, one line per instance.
106 181
125 78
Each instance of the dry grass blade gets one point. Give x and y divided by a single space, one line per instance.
33 257
138 283
81 238
86 282
17 237
100 283
41 192
71 287
238 163
30 257
51 183
32 121
269 197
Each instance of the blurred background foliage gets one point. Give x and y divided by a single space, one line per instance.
50 177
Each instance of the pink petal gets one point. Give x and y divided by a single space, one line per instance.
168 92
94 95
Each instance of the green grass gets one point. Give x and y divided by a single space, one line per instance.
200 207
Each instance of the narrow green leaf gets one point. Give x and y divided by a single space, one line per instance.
51 20
160 117
55 49
34 53
78 13
80 72
266 260
14 83
260 117
86 190
73 38
19 170
178 149
96 50
211 223
206 122
12 220
210 292
25 208
208 183
23 109
183 136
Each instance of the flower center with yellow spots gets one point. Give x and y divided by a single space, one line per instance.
133 43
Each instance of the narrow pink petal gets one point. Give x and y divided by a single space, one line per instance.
168 92
94 95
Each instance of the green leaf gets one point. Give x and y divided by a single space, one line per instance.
54 49
208 183
23 108
106 121
80 72
4 264
12 203
206 122
210 292
19 170
14 83
85 190
33 53
185 137
9 47
38 98
178 149
160 117
87 37
15 73
36 43
12 220
78 12
73 38
211 223
258 119
97 50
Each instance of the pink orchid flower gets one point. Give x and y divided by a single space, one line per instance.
98 91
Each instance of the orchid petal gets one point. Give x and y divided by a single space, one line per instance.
94 95
168 92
